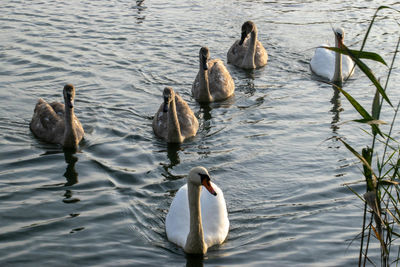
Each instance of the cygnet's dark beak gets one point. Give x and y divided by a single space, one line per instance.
70 102
165 108
204 60
244 35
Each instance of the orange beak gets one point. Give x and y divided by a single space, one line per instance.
206 183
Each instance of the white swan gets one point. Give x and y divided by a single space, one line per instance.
213 81
56 122
331 65
197 219
248 53
174 120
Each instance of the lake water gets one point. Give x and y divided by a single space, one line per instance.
269 148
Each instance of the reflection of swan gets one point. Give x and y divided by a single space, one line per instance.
193 260
174 120
213 81
70 172
335 110
56 122
248 53
332 65
196 219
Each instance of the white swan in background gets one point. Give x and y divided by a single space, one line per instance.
56 122
248 52
331 65
197 219
213 81
174 120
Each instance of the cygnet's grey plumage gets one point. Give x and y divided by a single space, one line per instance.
213 81
56 122
248 52
174 120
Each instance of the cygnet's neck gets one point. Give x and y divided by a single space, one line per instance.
195 240
70 136
204 85
248 60
174 129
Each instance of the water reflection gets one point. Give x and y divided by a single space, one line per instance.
205 113
173 156
194 260
250 87
140 7
172 153
70 173
336 109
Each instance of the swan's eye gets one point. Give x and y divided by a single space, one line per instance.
204 176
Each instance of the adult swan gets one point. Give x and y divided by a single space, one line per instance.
331 65
197 219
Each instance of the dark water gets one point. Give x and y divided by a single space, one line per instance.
268 148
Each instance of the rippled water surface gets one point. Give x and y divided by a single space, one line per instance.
268 148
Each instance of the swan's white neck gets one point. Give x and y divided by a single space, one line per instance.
248 60
174 129
195 239
70 136
204 90
337 76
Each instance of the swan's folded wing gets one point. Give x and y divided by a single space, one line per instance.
261 56
323 62
48 117
347 66
160 123
177 220
236 53
214 217
187 120
220 80
58 108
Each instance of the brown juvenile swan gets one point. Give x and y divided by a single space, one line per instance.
213 81
56 122
174 120
248 52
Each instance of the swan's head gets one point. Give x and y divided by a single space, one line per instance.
199 176
204 55
168 95
339 34
69 95
247 28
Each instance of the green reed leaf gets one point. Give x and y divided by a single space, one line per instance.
367 71
361 158
361 110
371 122
360 54
376 107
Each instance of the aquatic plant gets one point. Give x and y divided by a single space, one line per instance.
380 161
